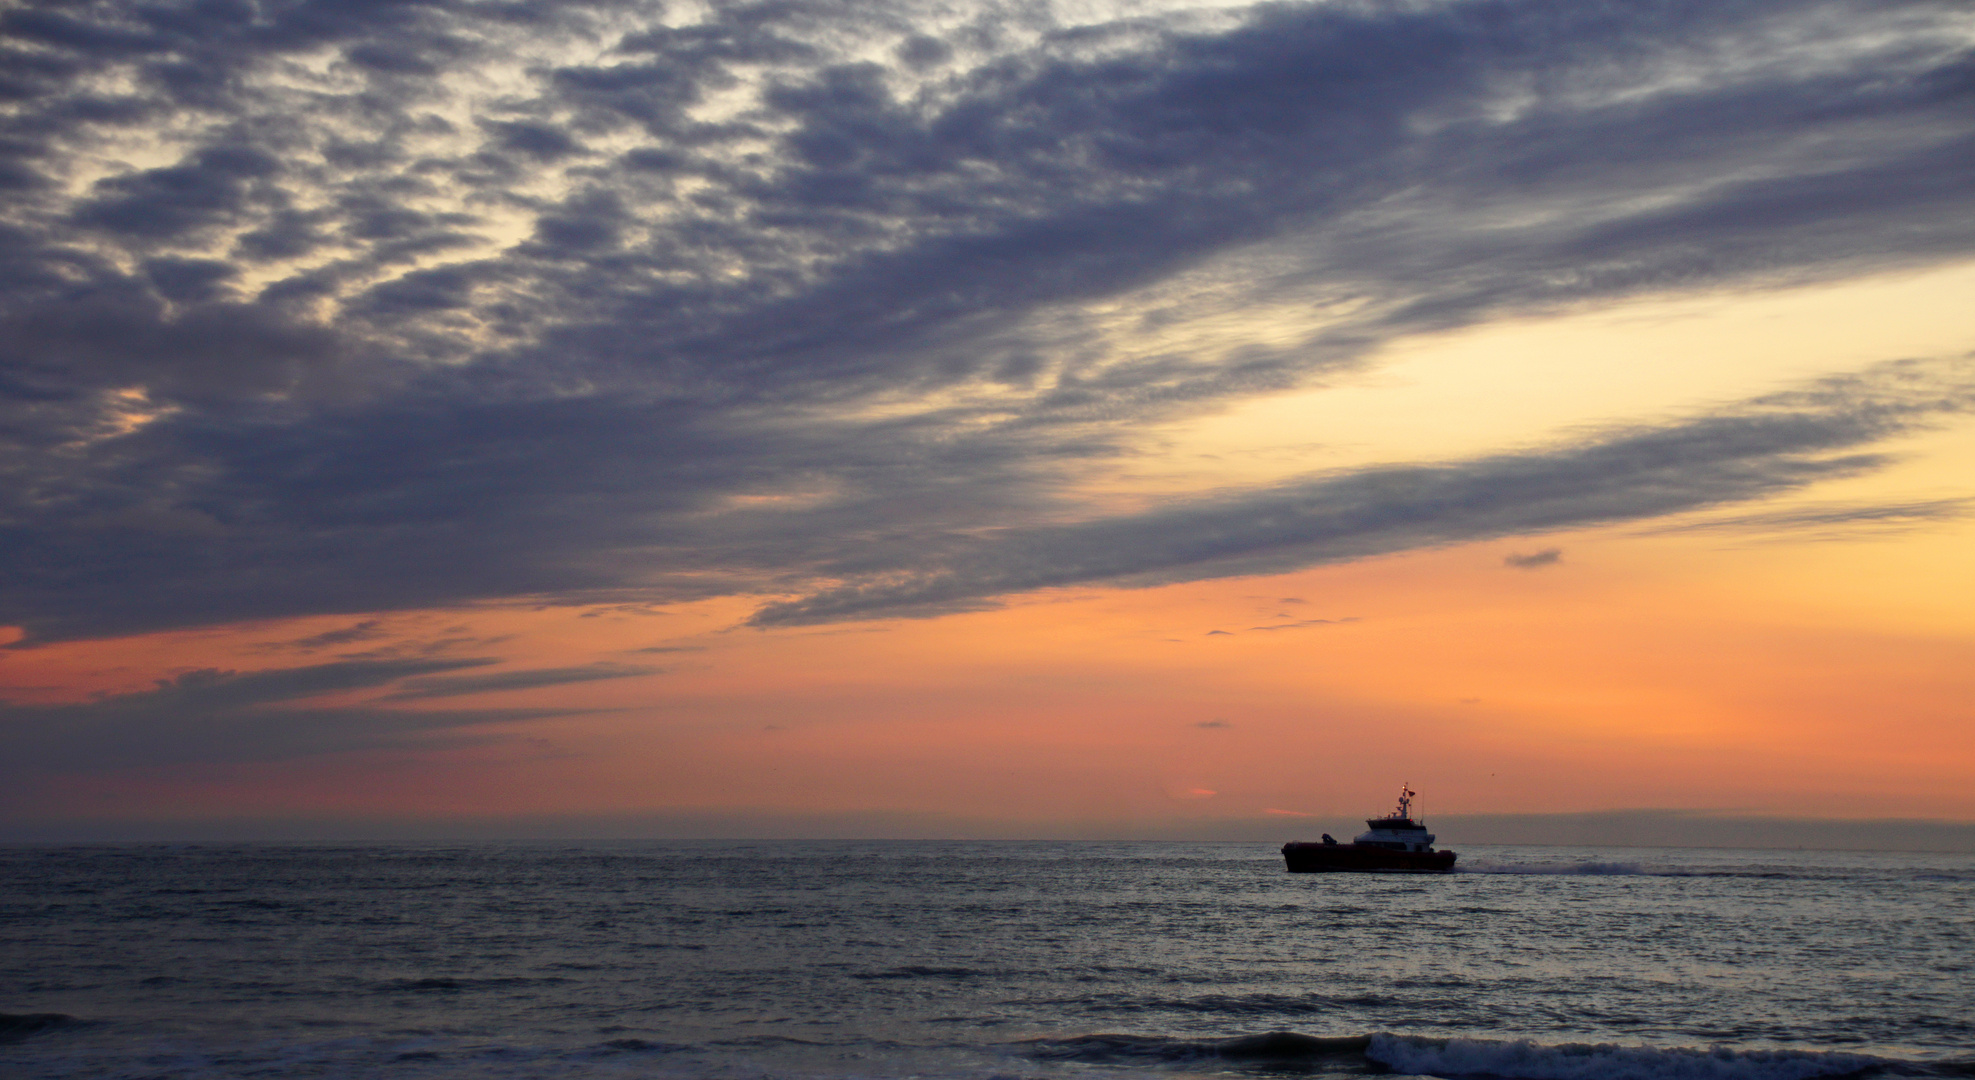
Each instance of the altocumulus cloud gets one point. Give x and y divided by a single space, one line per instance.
312 306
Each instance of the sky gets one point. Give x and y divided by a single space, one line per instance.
981 418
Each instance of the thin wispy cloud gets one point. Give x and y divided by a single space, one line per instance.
1301 623
214 716
1837 520
433 686
366 630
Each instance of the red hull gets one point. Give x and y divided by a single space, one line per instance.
1363 859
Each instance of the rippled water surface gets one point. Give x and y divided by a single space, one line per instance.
975 960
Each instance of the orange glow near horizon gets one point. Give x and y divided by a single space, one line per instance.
1634 672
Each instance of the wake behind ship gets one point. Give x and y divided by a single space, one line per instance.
1393 844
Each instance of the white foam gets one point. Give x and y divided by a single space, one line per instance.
1525 1060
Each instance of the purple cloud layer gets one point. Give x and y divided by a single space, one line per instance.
322 306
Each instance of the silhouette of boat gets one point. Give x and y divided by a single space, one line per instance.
1393 844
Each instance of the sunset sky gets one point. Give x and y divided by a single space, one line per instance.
921 418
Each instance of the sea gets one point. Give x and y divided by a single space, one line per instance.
897 960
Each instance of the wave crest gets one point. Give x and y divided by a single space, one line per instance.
1590 868
1273 1047
1519 1059
17 1027
1525 1060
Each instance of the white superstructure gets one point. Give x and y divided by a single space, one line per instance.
1397 831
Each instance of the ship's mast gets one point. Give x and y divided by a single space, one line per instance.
1406 794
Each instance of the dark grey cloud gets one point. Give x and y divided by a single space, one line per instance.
311 306
433 686
1535 560
1828 520
214 716
367 630
1770 446
1299 624
212 187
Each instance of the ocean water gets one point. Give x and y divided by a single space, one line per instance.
977 961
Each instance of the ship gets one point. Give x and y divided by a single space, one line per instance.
1393 844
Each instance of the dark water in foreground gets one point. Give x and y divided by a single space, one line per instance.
980 961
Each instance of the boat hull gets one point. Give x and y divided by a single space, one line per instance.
1305 858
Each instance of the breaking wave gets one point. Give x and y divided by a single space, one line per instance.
15 1027
1276 1047
1525 1060
1486 1059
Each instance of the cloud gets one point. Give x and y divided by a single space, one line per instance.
225 716
1535 560
1768 446
570 303
432 686
367 630
1833 520
1214 723
1301 623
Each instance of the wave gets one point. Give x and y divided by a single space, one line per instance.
449 984
1590 868
1276 1047
644 1046
917 971
15 1027
1633 869
1273 1054
1525 1060
1486 1059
